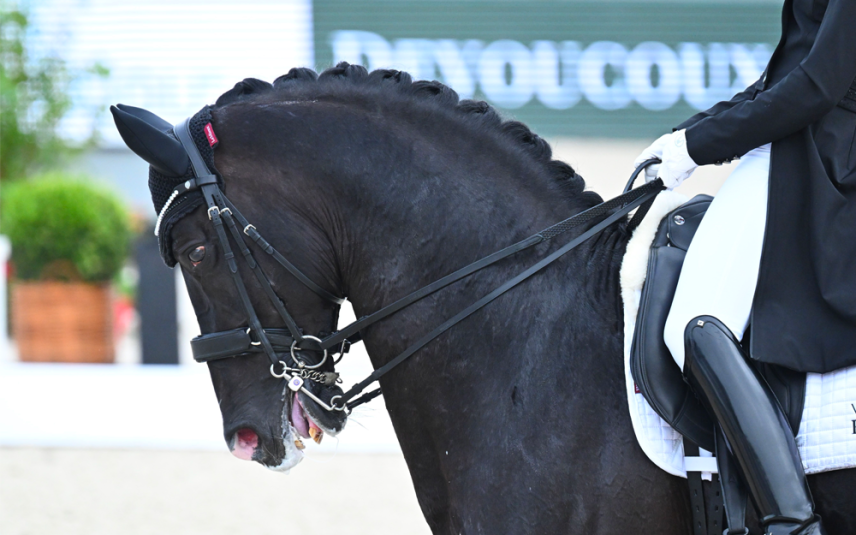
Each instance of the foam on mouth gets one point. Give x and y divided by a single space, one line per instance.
293 455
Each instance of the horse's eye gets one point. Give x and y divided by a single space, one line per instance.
197 255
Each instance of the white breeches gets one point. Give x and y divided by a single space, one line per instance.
721 267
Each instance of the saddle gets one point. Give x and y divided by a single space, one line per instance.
660 380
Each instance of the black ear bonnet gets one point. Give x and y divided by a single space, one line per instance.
162 186
154 140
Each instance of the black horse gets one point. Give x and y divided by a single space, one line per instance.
516 420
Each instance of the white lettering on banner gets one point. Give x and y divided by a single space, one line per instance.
592 74
453 67
505 73
558 74
555 67
697 93
719 60
641 61
416 57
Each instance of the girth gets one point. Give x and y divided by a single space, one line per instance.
276 343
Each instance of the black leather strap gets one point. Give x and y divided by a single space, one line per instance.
644 193
648 191
226 213
364 398
204 176
643 165
254 235
715 507
226 344
699 517
214 200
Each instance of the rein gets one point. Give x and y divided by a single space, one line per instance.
276 342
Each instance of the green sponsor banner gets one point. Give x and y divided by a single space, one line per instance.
573 68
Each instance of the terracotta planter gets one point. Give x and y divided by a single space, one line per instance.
63 322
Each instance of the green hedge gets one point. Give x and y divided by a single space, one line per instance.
64 228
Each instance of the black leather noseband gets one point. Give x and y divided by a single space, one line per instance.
276 342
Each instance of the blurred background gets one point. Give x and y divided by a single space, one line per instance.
106 426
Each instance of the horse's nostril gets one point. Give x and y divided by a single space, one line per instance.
244 443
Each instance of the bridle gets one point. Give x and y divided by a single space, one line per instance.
276 342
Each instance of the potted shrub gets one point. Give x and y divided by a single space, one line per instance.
69 239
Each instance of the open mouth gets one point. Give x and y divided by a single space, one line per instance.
302 419
304 424
298 423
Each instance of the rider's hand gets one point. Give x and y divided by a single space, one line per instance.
677 164
655 150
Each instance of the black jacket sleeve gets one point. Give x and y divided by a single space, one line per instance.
747 94
801 98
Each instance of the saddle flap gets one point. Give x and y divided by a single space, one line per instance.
659 380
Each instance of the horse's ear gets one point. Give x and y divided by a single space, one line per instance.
148 136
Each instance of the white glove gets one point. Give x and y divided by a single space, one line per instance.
654 150
677 164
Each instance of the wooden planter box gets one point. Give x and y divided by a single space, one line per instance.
63 321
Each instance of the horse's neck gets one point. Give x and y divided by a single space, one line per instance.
413 240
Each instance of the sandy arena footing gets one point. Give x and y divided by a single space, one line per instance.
46 491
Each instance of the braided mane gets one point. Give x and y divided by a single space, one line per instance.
306 84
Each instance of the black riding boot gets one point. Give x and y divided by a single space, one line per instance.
754 424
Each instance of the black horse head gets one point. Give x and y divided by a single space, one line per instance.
263 420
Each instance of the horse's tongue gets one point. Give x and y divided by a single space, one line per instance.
298 420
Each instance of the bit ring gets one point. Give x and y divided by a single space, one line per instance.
301 364
282 375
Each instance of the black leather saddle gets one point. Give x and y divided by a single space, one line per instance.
657 376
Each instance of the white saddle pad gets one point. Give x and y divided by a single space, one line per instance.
827 434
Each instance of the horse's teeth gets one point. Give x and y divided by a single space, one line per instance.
316 435
299 444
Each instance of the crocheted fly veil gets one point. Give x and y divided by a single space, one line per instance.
154 140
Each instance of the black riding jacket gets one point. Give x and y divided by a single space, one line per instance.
804 313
